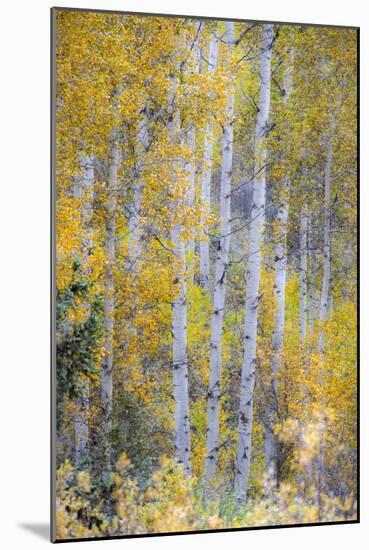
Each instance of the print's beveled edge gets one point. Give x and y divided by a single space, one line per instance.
207 17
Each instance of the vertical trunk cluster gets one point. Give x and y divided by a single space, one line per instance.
324 297
206 176
243 457
179 307
303 274
221 266
110 228
85 191
134 253
272 458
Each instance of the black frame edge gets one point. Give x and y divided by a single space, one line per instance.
53 276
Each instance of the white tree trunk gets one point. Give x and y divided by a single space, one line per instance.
179 323
85 191
191 170
135 226
243 458
280 266
323 310
303 274
179 332
108 364
206 177
280 274
221 266
324 297
312 277
180 365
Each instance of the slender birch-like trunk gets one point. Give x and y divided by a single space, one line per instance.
221 266
280 273
134 253
135 226
180 364
191 170
324 297
280 266
243 458
323 310
85 191
303 274
312 274
108 364
179 322
206 177
179 307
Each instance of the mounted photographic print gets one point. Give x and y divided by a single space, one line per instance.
204 274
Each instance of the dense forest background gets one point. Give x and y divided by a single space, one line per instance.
206 191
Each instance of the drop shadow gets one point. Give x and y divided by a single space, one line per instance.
42 530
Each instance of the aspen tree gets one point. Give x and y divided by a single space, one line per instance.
206 174
280 270
312 276
303 274
323 309
219 291
245 417
85 192
135 225
109 291
179 312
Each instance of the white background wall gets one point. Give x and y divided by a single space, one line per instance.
24 270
